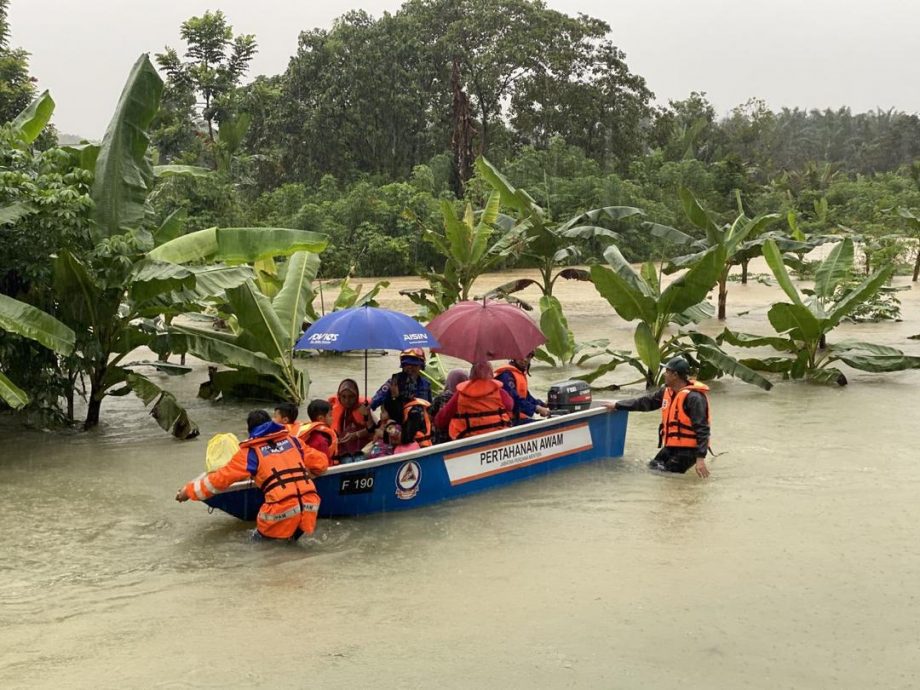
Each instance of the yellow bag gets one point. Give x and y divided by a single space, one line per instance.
221 448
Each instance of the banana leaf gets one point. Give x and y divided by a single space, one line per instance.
167 171
827 376
692 287
80 296
629 301
731 366
750 340
12 394
238 245
517 199
30 322
695 314
296 293
797 320
262 329
150 278
167 412
28 124
776 365
647 347
213 347
560 341
834 269
124 176
872 357
774 259
649 274
483 231
699 217
750 228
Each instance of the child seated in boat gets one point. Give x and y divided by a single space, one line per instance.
388 441
316 433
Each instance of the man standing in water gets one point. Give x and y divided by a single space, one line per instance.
281 466
683 435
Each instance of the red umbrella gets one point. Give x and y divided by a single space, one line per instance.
480 331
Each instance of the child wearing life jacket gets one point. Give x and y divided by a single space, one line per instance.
316 433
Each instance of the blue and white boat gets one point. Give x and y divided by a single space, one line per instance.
457 468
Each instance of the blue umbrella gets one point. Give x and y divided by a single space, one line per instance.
365 328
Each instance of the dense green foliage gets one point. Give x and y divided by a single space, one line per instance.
16 87
209 195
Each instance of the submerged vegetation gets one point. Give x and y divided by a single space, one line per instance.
447 139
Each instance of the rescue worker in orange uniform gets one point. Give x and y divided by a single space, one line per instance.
514 378
479 405
685 419
281 466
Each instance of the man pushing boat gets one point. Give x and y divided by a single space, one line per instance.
281 466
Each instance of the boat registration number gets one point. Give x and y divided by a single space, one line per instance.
362 483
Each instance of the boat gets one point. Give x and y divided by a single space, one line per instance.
449 470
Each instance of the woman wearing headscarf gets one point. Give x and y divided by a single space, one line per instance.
352 422
454 378
478 406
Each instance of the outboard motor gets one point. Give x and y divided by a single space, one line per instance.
568 396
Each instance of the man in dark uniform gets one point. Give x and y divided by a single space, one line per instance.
684 430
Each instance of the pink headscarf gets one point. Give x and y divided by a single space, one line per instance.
481 371
454 379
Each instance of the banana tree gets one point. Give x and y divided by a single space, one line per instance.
469 250
259 350
913 225
803 324
640 297
110 294
29 322
731 238
551 246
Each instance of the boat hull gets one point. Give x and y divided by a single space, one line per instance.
418 478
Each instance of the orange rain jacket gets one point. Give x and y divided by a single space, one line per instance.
281 466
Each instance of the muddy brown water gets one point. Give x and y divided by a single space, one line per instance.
796 565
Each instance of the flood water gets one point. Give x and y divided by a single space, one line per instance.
796 565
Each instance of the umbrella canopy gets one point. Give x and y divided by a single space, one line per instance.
365 328
480 331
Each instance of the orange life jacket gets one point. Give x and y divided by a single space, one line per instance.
321 427
291 500
339 411
422 437
676 430
520 385
479 409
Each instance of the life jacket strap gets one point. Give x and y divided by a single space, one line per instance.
469 429
283 477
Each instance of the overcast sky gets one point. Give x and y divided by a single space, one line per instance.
806 53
